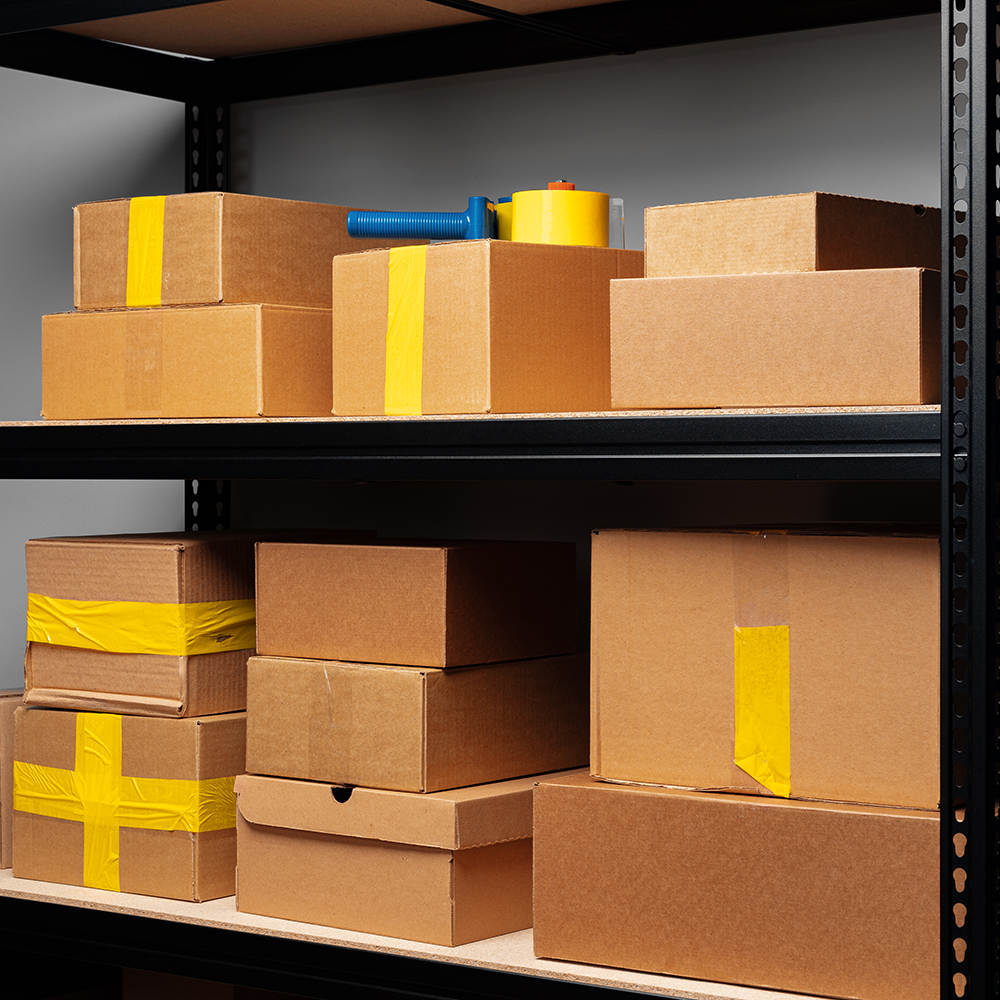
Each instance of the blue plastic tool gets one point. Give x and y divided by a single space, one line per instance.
477 222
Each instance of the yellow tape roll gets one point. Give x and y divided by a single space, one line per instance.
570 218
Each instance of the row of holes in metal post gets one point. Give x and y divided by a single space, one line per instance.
195 154
196 504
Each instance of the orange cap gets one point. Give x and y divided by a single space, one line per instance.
561 186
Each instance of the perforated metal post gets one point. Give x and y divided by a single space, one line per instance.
206 504
206 145
970 849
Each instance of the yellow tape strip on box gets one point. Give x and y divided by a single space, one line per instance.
97 794
763 706
144 277
139 627
404 338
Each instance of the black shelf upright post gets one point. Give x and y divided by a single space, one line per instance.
970 578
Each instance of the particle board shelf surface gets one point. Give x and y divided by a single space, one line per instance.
511 953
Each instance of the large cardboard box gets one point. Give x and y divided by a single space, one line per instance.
127 803
446 867
158 624
810 659
212 361
825 338
829 900
479 326
416 729
9 700
207 248
420 603
795 232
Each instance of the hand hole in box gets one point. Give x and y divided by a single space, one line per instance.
342 792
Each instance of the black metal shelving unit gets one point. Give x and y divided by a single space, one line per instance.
957 447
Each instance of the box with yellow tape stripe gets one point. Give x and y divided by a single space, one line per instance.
158 624
478 326
128 804
208 248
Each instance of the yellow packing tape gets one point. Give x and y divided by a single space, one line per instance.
97 794
404 337
139 627
763 706
144 278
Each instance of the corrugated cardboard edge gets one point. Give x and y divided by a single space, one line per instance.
777 197
9 700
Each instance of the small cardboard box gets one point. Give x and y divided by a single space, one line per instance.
479 326
446 867
416 729
421 602
211 361
690 630
127 803
207 248
825 338
113 621
794 232
828 900
9 701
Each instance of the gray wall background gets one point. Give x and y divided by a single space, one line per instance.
851 110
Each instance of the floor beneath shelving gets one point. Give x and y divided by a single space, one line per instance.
509 953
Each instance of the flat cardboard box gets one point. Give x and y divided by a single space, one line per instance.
162 568
864 728
445 868
416 729
507 328
824 338
199 362
420 603
794 232
156 857
839 901
9 700
217 247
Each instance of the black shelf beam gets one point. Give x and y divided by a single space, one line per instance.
463 48
828 446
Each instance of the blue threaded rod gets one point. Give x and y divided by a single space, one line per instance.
478 222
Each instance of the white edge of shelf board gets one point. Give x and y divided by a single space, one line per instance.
508 953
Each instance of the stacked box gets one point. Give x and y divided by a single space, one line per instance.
400 693
800 300
9 701
247 331
728 662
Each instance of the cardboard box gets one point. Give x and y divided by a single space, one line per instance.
421 602
446 867
839 901
830 338
493 327
140 654
126 803
217 361
795 232
416 729
208 248
9 701
853 666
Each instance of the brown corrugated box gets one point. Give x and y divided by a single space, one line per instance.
9 700
415 729
173 863
446 867
795 232
419 602
830 900
211 361
825 338
164 568
507 328
217 247
864 725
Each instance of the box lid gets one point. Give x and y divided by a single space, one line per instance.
452 820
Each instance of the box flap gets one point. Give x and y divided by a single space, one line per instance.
452 820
